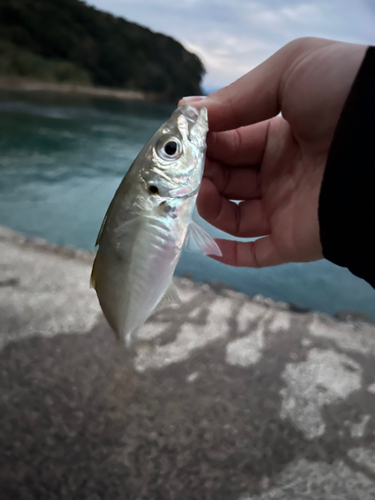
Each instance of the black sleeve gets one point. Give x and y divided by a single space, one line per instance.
347 197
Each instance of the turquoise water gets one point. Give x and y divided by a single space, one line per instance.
61 160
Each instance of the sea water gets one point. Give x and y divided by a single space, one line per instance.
61 160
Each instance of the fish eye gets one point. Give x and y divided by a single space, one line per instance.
170 148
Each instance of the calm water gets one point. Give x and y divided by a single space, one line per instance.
61 160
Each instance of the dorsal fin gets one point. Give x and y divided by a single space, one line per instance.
100 234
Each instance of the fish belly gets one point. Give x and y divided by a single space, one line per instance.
139 272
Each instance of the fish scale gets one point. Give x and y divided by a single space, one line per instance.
145 277
143 232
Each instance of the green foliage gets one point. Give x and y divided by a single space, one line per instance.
111 51
23 63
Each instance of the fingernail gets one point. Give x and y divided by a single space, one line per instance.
193 98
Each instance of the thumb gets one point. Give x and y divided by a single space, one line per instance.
255 96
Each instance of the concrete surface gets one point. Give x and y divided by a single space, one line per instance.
224 397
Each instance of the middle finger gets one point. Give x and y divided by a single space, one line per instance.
241 183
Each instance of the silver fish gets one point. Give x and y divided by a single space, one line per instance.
149 220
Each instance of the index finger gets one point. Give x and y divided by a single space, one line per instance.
239 147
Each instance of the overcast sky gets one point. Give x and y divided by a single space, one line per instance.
233 36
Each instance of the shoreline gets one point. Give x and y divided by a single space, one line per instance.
86 256
22 85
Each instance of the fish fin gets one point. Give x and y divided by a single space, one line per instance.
198 240
100 234
93 274
122 228
127 226
170 297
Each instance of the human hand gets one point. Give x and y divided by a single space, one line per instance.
274 164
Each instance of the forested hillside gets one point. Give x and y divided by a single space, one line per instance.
68 41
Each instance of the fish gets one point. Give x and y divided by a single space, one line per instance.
148 223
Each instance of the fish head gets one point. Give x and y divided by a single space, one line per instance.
173 160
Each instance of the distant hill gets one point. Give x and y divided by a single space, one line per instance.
67 41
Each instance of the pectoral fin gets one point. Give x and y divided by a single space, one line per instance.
198 240
122 229
127 228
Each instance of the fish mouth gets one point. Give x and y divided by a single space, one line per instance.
197 122
193 116
190 113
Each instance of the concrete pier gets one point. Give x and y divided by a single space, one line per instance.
224 397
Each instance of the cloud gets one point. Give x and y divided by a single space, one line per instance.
231 59
233 37
274 19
